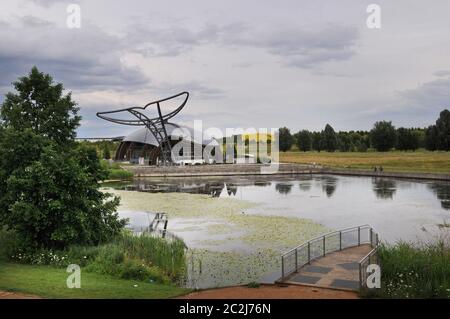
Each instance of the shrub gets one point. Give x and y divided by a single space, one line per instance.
9 243
414 271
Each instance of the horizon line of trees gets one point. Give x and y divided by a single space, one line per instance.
384 136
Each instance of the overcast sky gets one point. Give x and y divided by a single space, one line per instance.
299 64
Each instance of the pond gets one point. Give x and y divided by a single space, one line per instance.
237 227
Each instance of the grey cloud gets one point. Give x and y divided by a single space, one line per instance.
299 47
171 41
197 90
46 3
442 73
85 58
432 96
307 48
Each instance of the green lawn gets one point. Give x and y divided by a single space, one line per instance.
394 161
50 282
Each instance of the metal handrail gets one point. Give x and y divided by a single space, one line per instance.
314 240
371 253
327 234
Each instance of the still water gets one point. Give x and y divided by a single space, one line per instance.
398 209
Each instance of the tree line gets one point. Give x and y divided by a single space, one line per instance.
384 136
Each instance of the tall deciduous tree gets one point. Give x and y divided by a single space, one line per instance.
304 140
49 184
39 105
285 139
383 136
316 141
407 139
443 131
329 139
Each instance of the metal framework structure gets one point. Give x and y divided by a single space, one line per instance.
156 125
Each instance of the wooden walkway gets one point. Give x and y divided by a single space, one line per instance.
337 270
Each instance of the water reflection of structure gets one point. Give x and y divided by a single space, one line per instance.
442 191
384 188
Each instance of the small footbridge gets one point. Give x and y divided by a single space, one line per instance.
335 260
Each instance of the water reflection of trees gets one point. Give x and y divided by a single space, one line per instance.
384 188
305 185
283 188
231 189
442 191
262 183
329 185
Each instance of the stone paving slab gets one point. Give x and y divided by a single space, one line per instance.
342 269
306 279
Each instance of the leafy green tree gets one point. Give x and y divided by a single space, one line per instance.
106 151
285 139
329 139
56 201
49 185
443 131
39 105
344 142
316 141
431 138
383 136
304 140
407 139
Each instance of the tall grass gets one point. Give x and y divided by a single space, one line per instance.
115 171
414 271
128 256
169 255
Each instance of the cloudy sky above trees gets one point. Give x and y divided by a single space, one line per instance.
247 63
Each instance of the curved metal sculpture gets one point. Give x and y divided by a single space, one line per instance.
155 125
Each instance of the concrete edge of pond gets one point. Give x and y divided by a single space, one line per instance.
255 170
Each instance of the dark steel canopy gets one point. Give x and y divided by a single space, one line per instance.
155 125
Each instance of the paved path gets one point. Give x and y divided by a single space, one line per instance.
16 295
271 292
339 270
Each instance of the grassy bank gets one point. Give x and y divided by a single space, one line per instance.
156 265
414 271
394 161
115 171
50 282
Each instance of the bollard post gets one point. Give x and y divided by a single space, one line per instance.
296 260
309 252
324 245
359 236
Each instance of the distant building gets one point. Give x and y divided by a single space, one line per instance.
188 147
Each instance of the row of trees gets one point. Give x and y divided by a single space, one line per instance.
383 137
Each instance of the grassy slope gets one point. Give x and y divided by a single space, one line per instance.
50 282
395 161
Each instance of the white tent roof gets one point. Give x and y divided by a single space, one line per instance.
144 136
